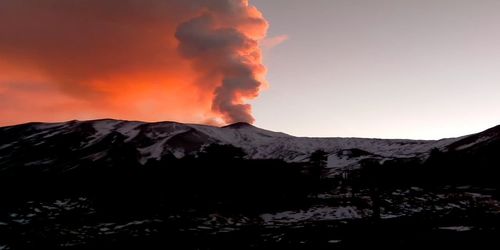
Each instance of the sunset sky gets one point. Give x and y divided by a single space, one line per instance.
422 69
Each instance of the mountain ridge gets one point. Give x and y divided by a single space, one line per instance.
235 125
34 143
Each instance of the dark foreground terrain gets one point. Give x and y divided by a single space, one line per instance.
53 195
443 219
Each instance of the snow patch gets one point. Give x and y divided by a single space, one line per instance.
479 140
344 162
6 145
153 151
313 214
130 130
105 126
334 241
457 228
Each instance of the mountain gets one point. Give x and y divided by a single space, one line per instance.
65 145
125 184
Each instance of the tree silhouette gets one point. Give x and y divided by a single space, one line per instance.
371 174
318 161
222 152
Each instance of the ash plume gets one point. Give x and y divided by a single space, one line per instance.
185 60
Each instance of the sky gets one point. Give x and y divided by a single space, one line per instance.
188 61
422 69
419 69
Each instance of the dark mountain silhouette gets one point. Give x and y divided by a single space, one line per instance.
125 184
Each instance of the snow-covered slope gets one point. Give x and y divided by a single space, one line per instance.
153 141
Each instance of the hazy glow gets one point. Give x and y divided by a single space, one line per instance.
382 68
189 61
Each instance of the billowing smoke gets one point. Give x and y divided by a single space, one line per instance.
186 60
223 43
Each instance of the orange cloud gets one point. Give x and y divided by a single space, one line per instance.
185 60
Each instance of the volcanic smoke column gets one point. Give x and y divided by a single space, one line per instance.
223 43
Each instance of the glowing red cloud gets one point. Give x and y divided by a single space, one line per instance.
186 60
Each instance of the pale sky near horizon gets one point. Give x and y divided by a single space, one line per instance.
420 69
